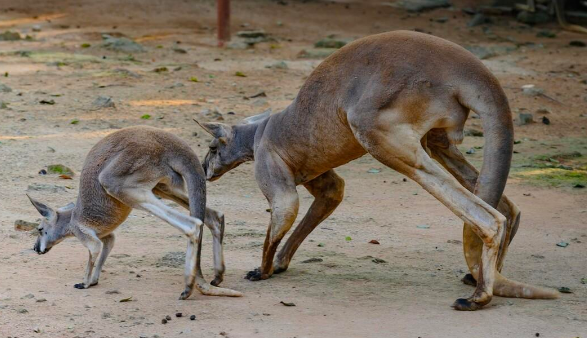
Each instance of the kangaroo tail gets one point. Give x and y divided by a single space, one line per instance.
504 287
193 174
490 102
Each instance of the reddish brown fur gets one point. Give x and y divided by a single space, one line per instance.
383 94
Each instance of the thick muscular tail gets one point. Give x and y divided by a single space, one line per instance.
490 102
194 177
504 287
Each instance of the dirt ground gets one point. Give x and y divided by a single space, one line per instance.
344 295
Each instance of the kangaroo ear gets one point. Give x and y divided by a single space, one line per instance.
43 209
217 130
257 118
68 207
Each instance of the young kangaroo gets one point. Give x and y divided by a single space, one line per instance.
402 97
129 169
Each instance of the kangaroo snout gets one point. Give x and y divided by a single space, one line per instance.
37 248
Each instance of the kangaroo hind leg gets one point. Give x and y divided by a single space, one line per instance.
397 145
328 192
214 220
449 156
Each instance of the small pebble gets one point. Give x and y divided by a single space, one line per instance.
168 317
193 317
179 315
163 321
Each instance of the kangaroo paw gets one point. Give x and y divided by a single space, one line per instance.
463 304
256 275
469 280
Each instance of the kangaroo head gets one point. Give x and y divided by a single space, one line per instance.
54 227
231 146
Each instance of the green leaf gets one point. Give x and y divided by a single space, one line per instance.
194 79
240 74
348 238
86 45
59 169
74 121
321 245
146 117
124 300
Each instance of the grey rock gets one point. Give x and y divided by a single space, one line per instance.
175 85
121 44
252 34
478 19
316 53
331 42
238 44
212 114
126 72
41 300
543 111
36 28
172 259
537 17
473 132
3 105
250 38
260 102
103 102
23 311
179 50
10 36
531 90
313 260
483 52
278 65
4 88
422 5
525 118
46 187
545 33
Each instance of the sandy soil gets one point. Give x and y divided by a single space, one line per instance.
345 295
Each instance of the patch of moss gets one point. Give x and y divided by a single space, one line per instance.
554 177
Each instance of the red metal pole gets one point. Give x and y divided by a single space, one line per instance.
223 21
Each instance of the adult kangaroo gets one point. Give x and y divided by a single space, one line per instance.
401 97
